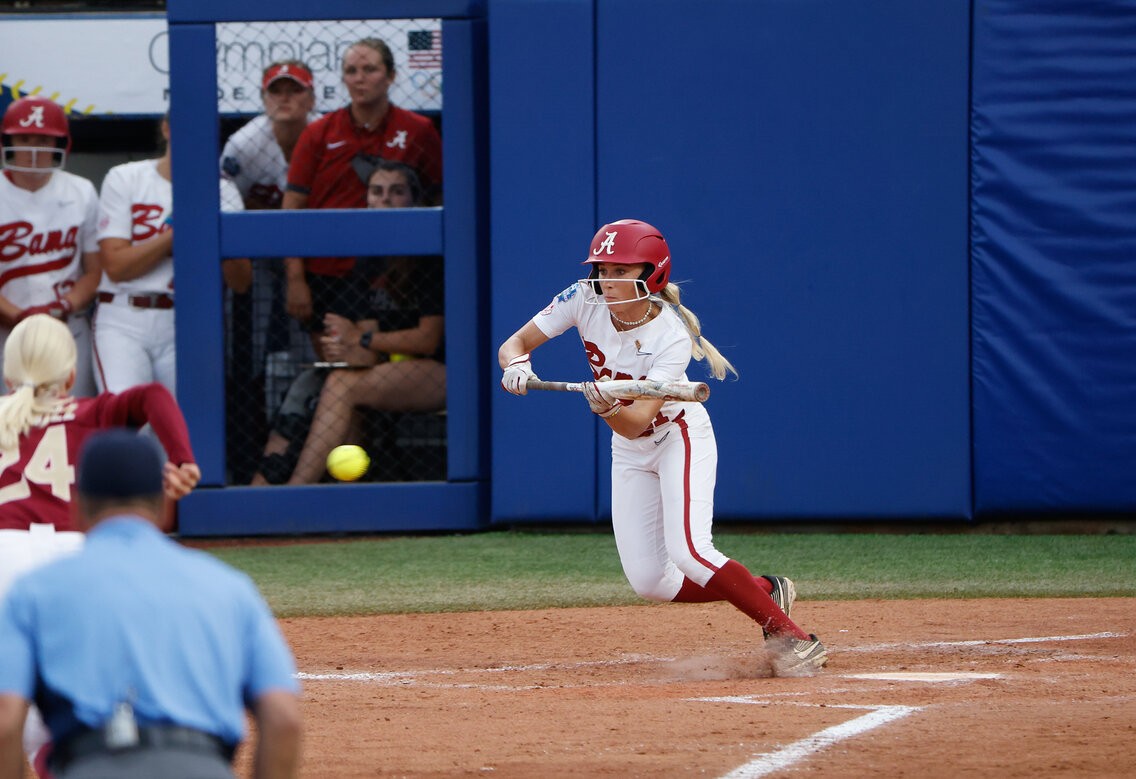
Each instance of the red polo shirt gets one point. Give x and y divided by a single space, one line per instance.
321 163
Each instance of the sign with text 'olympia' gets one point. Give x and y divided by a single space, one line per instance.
125 61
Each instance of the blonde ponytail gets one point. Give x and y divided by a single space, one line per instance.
39 361
700 348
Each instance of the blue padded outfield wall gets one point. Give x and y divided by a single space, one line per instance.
1054 253
909 224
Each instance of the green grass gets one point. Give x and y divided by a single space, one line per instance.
527 570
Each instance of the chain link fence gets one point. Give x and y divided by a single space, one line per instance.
299 382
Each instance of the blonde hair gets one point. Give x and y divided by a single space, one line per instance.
700 348
39 359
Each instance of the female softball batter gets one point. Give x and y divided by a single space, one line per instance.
664 457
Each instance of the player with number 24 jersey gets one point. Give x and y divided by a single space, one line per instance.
37 478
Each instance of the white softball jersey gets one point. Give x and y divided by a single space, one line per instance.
134 203
658 350
253 160
662 482
43 236
231 199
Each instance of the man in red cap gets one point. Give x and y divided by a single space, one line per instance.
256 157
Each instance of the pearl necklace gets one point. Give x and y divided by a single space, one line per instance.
637 322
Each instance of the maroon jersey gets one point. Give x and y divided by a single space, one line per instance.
37 479
322 168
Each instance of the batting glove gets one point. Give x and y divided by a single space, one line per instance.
517 373
600 402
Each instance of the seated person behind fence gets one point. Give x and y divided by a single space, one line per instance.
324 173
399 351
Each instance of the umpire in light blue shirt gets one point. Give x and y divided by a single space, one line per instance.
142 655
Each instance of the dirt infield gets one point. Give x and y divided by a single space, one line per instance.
1013 688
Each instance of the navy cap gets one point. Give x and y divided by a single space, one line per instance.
119 463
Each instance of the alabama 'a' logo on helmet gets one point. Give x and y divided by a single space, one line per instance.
607 245
34 119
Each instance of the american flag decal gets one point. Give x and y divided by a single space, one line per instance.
425 48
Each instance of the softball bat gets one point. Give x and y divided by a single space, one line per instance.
635 389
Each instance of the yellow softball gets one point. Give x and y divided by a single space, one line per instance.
348 462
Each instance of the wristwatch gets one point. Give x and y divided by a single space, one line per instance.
365 339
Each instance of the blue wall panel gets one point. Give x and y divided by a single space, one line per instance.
543 215
807 162
1054 236
197 266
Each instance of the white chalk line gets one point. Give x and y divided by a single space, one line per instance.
411 677
929 677
766 700
790 754
979 642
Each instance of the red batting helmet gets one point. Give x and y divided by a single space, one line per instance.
629 242
37 116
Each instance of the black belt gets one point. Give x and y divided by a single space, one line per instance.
93 742
144 300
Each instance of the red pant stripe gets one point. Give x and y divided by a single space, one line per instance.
686 494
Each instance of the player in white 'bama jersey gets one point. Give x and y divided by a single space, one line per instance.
49 255
664 457
134 324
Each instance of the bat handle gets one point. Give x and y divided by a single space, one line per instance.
555 386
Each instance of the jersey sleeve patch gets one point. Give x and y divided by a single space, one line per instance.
567 294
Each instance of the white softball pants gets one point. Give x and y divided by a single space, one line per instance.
22 551
662 507
134 346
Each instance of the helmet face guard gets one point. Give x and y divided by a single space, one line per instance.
593 282
35 116
631 242
58 158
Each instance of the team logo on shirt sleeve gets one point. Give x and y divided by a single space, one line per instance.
562 297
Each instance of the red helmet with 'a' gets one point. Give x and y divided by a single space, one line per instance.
629 242
36 116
